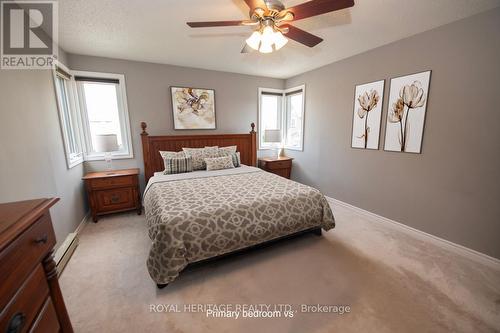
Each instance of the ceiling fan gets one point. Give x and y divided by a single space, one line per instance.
272 21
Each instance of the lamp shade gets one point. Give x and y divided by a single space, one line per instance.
105 143
272 135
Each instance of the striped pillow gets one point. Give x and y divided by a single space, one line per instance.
170 154
234 155
178 165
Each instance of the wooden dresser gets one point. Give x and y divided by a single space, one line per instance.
30 297
113 191
281 166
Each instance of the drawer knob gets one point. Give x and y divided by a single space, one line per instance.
115 198
16 323
41 240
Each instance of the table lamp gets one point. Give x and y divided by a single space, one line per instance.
274 136
106 143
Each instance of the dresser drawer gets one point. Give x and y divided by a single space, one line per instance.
112 182
278 165
46 322
23 254
25 305
114 200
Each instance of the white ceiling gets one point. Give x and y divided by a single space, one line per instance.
155 31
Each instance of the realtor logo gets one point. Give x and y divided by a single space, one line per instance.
28 34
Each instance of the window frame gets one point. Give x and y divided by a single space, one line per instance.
72 158
123 116
283 116
301 88
280 112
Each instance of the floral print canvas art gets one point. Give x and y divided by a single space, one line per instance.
193 108
406 112
367 115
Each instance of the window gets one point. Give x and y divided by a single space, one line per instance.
68 118
270 116
92 104
282 109
104 111
294 118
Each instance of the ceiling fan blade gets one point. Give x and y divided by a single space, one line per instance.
301 36
246 49
216 24
255 4
318 7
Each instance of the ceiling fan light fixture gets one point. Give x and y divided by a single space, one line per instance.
279 40
268 36
254 40
266 47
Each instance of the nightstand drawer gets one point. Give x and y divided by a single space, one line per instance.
112 182
279 165
115 199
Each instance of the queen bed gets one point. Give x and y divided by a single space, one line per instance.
197 216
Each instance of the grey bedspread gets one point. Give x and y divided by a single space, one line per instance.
200 215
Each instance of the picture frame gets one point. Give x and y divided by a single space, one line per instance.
367 115
193 108
407 112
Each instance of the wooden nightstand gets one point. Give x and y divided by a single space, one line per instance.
281 166
113 192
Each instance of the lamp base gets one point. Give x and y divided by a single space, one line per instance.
109 163
281 152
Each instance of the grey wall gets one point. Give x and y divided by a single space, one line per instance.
148 93
452 189
32 156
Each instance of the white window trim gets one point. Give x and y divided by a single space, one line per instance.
122 100
283 92
270 90
74 159
286 91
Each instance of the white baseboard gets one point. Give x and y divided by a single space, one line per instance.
65 251
453 247
83 223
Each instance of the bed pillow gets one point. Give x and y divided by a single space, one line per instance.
235 157
199 154
171 154
228 149
219 163
178 165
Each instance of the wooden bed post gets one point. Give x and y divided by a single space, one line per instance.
145 151
254 144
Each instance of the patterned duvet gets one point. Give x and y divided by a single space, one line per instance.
200 215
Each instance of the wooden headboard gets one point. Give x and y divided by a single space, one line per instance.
151 145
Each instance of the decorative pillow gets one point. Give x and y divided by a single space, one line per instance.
228 149
199 155
219 163
235 157
171 154
229 152
178 165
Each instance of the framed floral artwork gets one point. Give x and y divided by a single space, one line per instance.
193 108
406 113
367 115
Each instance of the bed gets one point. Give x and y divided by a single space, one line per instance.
198 216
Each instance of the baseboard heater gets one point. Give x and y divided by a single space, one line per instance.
65 251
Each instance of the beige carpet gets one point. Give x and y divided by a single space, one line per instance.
391 281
